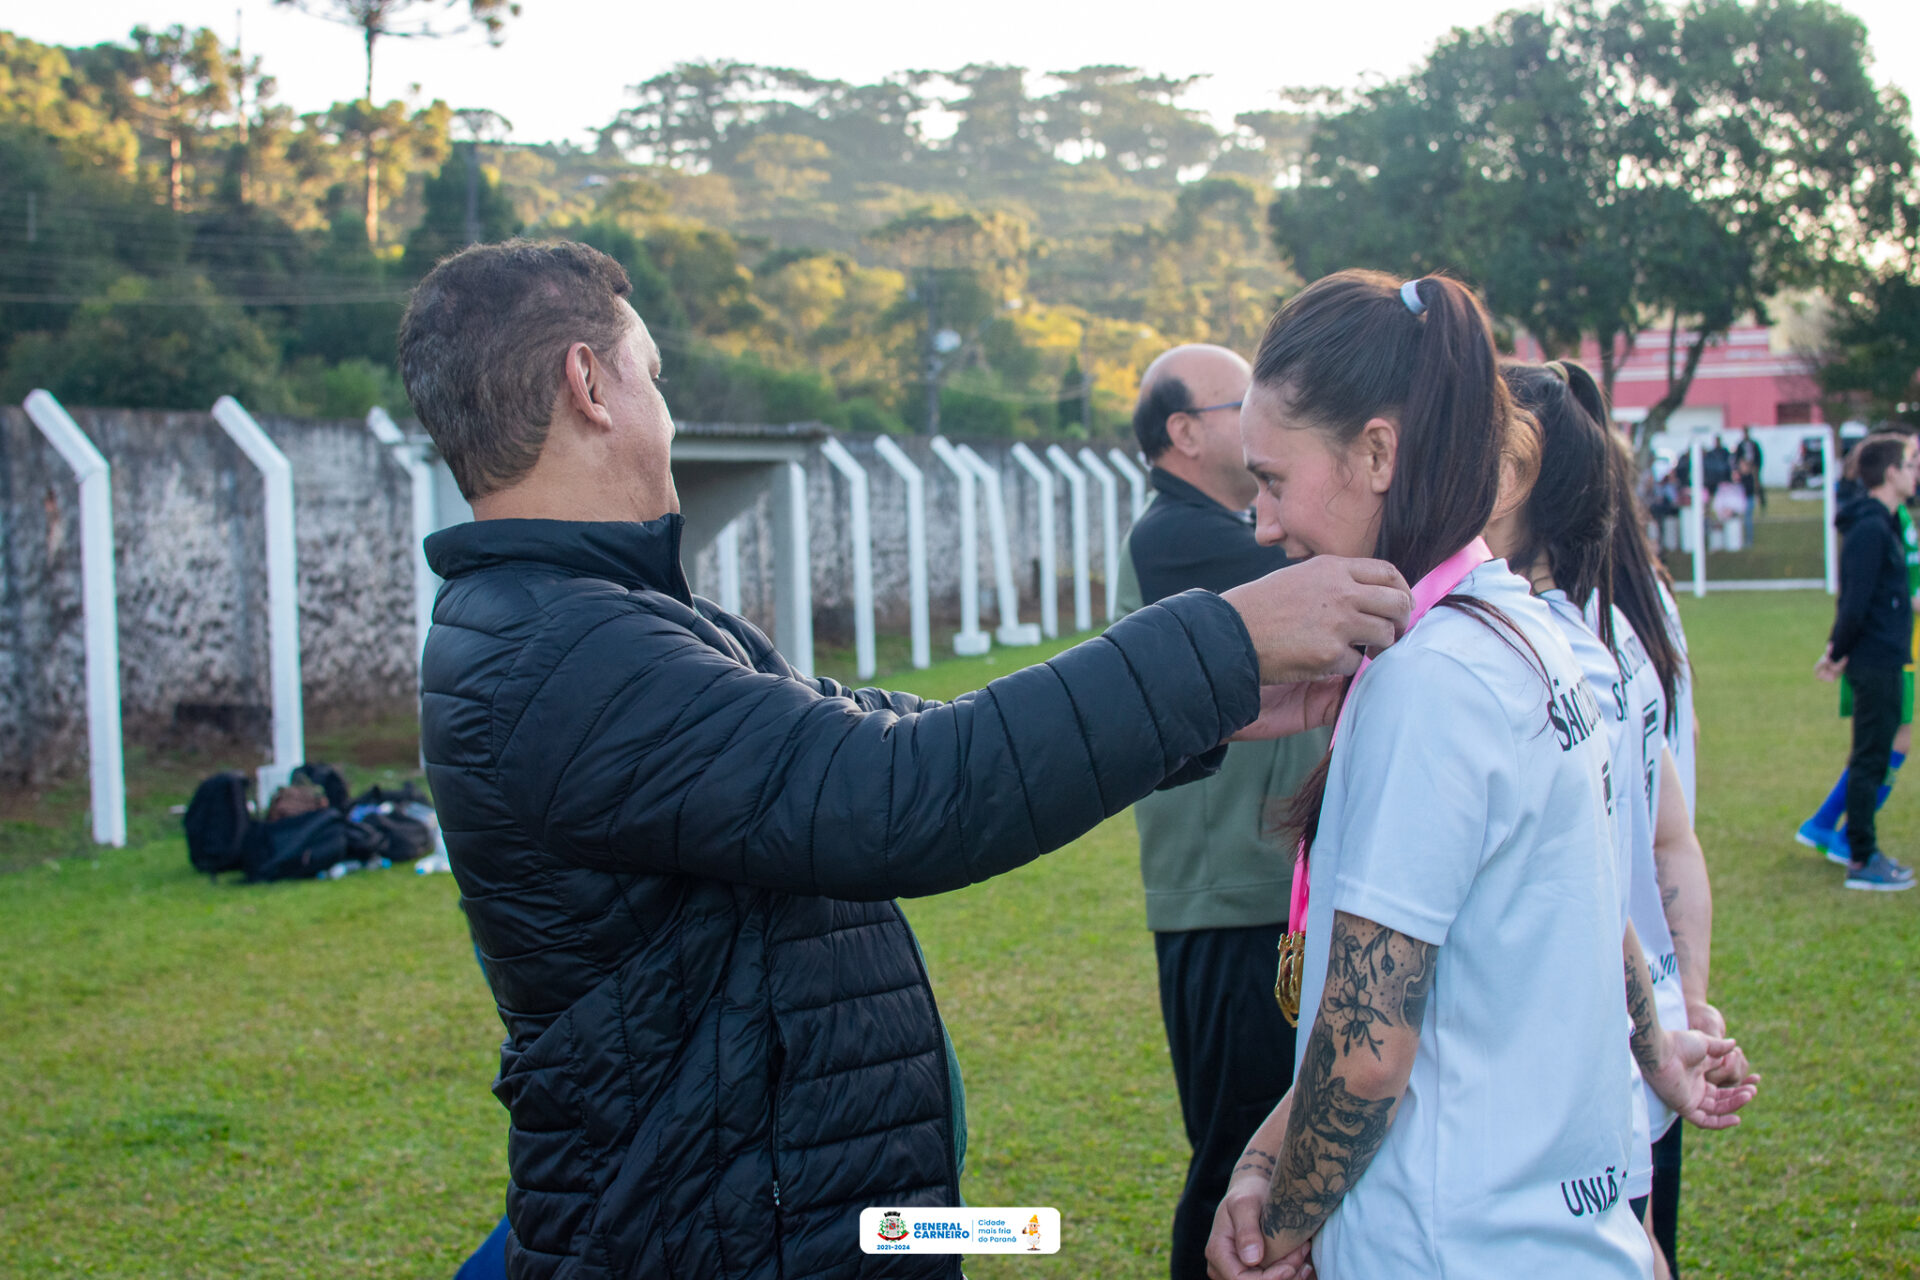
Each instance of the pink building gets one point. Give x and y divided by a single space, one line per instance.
1748 378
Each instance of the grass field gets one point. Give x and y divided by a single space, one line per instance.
291 1080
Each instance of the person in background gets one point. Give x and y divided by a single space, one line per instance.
1871 646
1824 830
1747 461
1214 863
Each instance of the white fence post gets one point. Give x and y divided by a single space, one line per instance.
1697 517
105 762
792 568
971 640
861 530
726 550
1011 630
1077 523
1829 480
1109 524
1136 480
413 458
1049 572
903 466
283 591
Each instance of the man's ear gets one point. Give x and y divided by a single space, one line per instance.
586 379
1183 430
1378 446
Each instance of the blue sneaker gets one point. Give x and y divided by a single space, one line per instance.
1828 840
1879 876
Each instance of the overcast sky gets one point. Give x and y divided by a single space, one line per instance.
565 64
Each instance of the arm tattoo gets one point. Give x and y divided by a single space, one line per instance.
1376 978
1255 1160
1646 1050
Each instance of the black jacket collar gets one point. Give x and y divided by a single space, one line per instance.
1173 487
637 556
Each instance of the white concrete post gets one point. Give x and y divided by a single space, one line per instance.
1136 480
971 640
1829 480
1049 571
100 615
903 466
1077 524
283 592
860 527
792 568
414 459
1109 525
1697 517
1011 630
726 550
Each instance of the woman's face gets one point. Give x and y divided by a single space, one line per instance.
1316 496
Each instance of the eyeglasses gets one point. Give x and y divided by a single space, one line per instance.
1230 404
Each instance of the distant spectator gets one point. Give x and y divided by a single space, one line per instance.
1747 460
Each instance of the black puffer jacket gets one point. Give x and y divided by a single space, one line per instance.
678 858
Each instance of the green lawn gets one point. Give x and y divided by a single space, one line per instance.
290 1080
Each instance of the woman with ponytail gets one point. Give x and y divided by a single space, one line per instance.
1460 1099
1580 541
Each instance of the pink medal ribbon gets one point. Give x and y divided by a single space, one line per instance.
1427 592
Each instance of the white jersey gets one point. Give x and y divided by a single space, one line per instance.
1640 704
1466 807
1646 702
1626 805
1683 730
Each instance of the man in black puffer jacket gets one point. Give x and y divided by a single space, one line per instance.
678 855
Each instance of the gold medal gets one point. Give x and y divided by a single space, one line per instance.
1286 985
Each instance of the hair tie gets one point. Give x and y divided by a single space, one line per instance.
1410 294
1557 369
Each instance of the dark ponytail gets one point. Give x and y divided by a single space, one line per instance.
1637 575
1570 513
1353 347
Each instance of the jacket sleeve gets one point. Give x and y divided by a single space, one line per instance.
1861 552
644 750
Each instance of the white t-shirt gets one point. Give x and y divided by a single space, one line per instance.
1626 817
1466 808
1646 706
1682 743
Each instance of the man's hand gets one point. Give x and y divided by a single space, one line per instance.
1827 669
1235 1247
1313 619
1681 1080
1287 709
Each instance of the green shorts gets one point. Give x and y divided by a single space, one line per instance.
1906 698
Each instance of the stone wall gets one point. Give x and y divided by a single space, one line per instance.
189 556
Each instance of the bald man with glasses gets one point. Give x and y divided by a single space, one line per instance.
1216 871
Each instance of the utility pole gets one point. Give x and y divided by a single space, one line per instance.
1086 387
929 293
240 103
473 192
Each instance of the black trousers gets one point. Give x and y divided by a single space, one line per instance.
1665 1206
1232 1061
1876 719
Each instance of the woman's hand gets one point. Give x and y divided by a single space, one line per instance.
1235 1248
1287 709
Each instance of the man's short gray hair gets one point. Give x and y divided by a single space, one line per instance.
483 348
